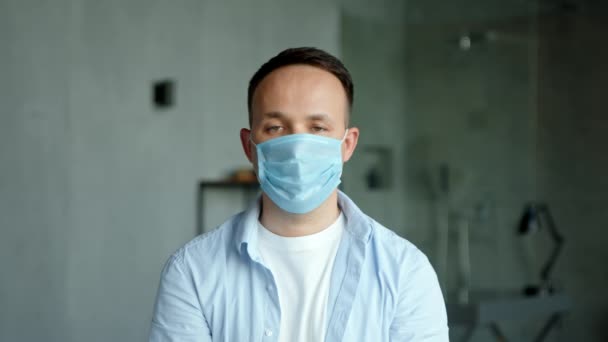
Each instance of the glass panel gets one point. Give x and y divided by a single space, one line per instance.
471 135
469 110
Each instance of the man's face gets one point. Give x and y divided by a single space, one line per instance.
299 99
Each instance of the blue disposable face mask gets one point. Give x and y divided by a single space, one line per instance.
299 171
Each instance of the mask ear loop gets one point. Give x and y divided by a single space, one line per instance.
251 140
255 170
343 138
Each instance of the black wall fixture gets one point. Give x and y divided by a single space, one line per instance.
163 94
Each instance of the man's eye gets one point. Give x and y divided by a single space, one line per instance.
273 129
319 129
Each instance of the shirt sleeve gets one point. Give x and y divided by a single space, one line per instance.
421 314
177 312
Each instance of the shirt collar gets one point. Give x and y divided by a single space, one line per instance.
357 224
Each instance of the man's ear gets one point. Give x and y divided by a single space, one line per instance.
350 143
246 143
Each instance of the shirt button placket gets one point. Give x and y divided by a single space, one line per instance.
269 332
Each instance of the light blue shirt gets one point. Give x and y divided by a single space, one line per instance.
216 287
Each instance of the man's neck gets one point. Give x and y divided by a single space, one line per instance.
287 224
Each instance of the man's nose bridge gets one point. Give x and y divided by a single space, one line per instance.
298 128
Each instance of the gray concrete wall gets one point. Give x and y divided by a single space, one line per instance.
97 186
34 171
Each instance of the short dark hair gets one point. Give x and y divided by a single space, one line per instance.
307 56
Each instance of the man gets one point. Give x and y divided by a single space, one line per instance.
303 263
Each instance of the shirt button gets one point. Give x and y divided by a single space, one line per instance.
268 332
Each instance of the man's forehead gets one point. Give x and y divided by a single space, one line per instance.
301 76
301 92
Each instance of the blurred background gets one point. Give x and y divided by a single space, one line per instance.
483 141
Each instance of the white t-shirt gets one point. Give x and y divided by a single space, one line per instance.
302 268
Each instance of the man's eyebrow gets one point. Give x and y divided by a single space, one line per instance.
319 117
273 115
311 117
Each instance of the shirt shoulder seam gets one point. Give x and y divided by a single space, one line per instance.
180 254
